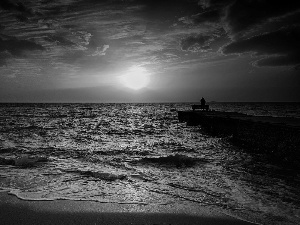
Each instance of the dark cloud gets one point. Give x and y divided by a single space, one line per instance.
169 9
4 55
2 61
281 41
69 26
95 40
290 19
22 18
214 3
196 43
22 12
16 47
287 60
282 47
52 11
208 16
243 15
19 7
278 45
60 40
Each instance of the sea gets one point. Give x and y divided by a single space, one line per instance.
141 154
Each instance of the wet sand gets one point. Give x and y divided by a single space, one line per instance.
16 211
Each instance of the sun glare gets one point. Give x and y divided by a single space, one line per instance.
135 78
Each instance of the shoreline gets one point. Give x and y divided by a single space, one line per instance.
16 211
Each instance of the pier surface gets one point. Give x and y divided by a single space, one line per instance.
277 136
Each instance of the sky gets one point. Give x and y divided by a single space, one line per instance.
149 50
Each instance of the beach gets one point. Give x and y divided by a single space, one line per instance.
149 112
16 211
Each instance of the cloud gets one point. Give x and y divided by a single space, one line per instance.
213 3
186 20
17 47
287 60
23 12
85 37
22 18
157 9
196 43
2 62
208 16
244 15
270 26
100 50
280 47
59 40
7 5
163 57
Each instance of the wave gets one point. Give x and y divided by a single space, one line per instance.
8 150
184 149
174 160
23 161
5 161
100 174
31 127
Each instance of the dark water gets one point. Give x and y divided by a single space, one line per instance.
275 109
141 154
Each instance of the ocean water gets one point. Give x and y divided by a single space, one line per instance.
142 154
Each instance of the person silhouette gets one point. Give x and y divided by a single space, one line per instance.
203 101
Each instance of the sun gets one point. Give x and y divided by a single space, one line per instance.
136 78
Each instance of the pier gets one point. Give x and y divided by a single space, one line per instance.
279 137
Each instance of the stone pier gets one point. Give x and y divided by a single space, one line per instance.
277 136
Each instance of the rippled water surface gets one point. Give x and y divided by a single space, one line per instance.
141 154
